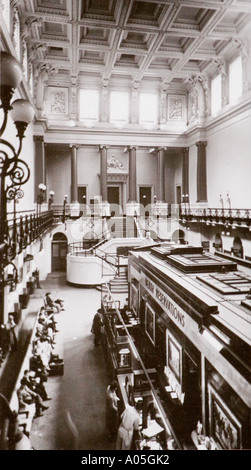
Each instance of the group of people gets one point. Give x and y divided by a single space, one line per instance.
44 341
32 390
124 428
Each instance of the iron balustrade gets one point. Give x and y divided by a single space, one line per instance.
217 215
24 229
114 260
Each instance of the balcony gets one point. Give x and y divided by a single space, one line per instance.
225 218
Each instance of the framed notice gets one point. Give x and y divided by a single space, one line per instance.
225 429
134 299
174 357
150 323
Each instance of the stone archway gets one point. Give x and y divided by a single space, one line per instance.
178 236
218 242
237 248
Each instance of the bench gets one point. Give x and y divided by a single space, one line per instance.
26 414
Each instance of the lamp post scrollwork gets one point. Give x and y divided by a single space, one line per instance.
14 172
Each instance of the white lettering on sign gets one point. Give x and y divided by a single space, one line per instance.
164 300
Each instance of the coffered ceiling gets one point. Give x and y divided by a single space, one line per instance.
138 40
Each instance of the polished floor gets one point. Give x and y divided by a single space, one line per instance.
76 415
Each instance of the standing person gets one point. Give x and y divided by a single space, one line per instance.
36 276
10 327
130 420
112 411
97 327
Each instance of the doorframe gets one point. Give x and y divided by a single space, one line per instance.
176 198
84 186
121 193
146 186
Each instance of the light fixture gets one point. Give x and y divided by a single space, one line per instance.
12 168
50 200
22 114
40 196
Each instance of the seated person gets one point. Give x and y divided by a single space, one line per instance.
27 397
43 349
48 318
35 385
54 304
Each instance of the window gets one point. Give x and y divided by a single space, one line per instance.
216 94
89 106
119 107
235 80
148 109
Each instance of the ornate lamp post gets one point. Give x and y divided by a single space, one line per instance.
50 202
40 197
14 172
64 206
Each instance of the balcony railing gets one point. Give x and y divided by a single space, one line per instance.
22 230
221 216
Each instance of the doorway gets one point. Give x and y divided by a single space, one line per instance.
82 198
178 195
113 195
145 198
58 252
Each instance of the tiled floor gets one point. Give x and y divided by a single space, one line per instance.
76 415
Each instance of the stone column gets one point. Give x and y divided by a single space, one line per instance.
74 206
40 168
201 172
185 171
103 208
74 174
103 172
132 207
132 195
160 207
160 192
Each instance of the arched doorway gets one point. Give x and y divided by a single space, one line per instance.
237 248
218 242
178 235
58 252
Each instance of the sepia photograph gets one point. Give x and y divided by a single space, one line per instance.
125 230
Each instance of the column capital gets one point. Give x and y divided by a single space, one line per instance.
201 143
185 149
74 146
101 147
38 138
159 149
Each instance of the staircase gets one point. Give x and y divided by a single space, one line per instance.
119 284
122 227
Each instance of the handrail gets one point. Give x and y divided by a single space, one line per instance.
216 212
